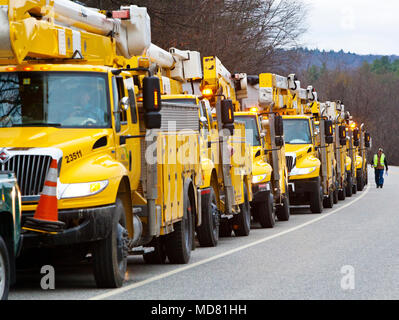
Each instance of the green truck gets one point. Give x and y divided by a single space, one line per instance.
10 230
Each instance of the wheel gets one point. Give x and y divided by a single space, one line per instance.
208 232
354 188
225 228
179 243
265 213
283 210
5 273
335 196
158 256
341 194
242 220
349 187
110 254
360 183
316 199
329 201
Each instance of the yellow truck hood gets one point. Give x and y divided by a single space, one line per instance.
260 166
43 137
300 150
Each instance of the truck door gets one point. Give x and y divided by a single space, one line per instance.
127 131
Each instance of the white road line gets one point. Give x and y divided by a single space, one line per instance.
221 255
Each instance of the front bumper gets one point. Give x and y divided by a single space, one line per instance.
297 187
82 225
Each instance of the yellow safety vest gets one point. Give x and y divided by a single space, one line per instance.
382 161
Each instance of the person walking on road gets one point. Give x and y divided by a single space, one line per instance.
379 161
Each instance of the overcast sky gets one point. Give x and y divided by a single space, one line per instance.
359 26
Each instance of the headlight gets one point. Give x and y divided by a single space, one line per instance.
259 178
302 171
76 190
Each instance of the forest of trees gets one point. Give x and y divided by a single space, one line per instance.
370 94
256 36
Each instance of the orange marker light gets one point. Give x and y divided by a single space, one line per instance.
207 92
11 69
254 109
28 68
156 99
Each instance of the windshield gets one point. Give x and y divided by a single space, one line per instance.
297 131
251 130
59 99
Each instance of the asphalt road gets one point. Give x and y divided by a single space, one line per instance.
348 252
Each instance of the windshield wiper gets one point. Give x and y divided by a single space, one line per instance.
37 124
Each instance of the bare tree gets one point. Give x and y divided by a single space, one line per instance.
247 35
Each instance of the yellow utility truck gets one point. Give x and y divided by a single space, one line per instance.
217 170
364 145
310 174
232 171
335 111
270 174
126 184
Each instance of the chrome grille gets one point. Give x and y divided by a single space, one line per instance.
30 171
290 163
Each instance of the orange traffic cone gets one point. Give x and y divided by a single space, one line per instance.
46 215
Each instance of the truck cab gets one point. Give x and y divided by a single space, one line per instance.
262 205
302 159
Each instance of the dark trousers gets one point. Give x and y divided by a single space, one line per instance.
379 177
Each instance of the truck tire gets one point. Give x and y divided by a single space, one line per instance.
360 183
208 231
225 228
5 273
316 199
335 196
349 187
158 256
242 221
341 194
265 213
179 243
329 201
110 254
354 188
283 210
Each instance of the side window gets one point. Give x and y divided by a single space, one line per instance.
116 104
121 94
129 84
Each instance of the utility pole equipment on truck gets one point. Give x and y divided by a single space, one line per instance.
69 94
175 88
262 113
234 168
307 159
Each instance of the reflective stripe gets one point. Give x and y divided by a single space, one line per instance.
49 191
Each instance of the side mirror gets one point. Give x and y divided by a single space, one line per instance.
227 115
279 141
328 127
227 111
367 140
152 102
342 132
328 131
124 104
278 125
329 139
356 140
